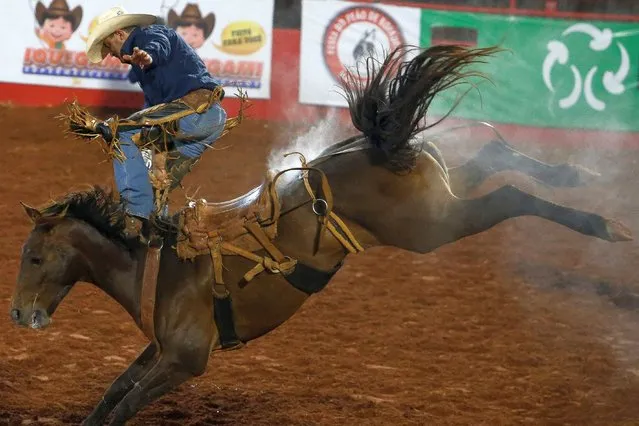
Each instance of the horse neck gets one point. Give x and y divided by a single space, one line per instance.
111 267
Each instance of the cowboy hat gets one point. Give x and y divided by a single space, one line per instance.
59 9
107 23
191 15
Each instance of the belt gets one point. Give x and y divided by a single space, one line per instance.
202 99
198 100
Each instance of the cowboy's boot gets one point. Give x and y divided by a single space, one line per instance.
178 166
134 227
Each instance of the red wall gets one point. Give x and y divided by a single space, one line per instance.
283 105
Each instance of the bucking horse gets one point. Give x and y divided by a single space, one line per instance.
224 274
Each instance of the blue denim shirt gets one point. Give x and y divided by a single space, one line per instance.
176 69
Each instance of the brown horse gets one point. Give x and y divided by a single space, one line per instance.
388 189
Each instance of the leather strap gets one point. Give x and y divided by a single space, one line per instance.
262 262
348 240
256 230
310 280
215 248
149 290
223 316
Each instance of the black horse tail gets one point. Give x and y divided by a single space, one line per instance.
388 108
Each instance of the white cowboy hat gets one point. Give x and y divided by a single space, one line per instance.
107 23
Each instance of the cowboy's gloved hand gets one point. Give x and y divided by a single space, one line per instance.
105 130
89 129
139 57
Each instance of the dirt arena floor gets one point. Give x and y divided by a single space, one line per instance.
528 323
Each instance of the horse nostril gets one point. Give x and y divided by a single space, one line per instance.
36 318
15 314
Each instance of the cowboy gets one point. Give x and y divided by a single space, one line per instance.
194 28
175 83
57 22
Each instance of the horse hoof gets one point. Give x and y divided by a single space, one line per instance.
617 231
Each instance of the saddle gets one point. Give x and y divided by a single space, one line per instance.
249 224
238 227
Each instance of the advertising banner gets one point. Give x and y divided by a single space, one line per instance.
554 73
337 36
45 42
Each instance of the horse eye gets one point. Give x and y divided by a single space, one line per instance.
36 261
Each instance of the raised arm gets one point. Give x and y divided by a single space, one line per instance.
152 49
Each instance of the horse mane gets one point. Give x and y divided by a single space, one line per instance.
388 105
96 206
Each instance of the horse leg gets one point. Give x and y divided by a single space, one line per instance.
121 386
472 216
164 376
185 349
498 156
459 218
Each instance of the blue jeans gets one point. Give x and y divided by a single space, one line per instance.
196 133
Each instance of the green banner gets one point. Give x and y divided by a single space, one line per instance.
554 73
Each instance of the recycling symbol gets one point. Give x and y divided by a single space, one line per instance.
612 80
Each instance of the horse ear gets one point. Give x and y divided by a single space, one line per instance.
32 212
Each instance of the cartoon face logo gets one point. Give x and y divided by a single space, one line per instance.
57 22
191 26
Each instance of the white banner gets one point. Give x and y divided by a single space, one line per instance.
234 39
338 36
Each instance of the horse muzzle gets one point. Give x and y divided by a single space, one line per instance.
36 319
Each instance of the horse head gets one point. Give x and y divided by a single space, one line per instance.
48 270
59 251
